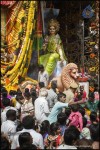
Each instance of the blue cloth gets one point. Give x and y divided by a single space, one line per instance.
57 108
88 12
63 128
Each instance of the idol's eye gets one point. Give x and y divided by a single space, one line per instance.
52 29
74 72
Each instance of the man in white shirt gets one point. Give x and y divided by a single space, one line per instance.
41 106
9 127
52 96
6 104
43 76
28 123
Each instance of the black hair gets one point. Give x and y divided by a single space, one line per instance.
19 127
27 93
11 114
54 85
82 111
93 116
74 107
45 127
53 128
12 92
71 135
61 118
19 97
94 130
3 89
41 85
6 102
28 146
60 95
33 95
67 112
83 144
92 95
41 67
24 138
98 106
19 92
28 122
4 94
84 121
4 143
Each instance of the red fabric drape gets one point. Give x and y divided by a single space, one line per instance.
39 21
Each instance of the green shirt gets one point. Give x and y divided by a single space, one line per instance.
92 106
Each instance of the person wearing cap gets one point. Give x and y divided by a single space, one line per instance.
85 133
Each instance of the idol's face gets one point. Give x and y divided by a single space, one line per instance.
74 73
52 30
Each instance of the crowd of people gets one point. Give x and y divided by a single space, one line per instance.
43 119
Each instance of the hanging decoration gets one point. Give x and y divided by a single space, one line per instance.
88 12
7 3
92 48
16 71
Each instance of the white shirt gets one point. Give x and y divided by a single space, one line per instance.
41 109
37 138
9 128
51 98
64 146
18 105
3 114
26 108
43 77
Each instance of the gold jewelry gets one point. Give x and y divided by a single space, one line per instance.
55 23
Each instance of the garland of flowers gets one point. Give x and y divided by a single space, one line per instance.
26 51
16 11
20 37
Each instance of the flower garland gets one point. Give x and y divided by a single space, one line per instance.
26 50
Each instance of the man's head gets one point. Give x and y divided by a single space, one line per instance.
61 118
11 115
25 138
71 135
41 68
81 88
41 85
6 102
61 97
54 84
5 144
91 97
43 92
28 122
20 99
